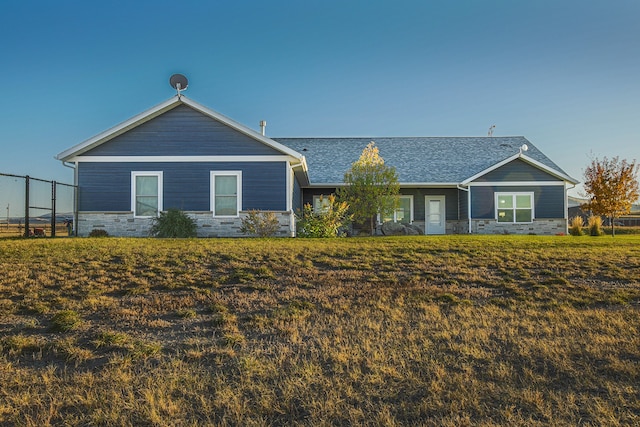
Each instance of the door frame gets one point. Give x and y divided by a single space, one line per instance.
443 213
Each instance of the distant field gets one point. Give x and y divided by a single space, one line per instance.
450 330
14 230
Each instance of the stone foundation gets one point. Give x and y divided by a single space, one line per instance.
538 226
123 224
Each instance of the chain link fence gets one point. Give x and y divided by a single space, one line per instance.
34 207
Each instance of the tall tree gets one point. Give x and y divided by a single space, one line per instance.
612 187
370 187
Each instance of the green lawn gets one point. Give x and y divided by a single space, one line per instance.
448 330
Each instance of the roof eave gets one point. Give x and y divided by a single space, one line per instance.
118 129
402 184
527 159
160 109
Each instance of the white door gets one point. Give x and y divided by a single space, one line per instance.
434 215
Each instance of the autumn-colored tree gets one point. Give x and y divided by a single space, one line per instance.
370 187
612 187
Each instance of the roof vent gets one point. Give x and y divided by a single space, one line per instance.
263 126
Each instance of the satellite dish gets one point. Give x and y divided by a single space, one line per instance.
178 82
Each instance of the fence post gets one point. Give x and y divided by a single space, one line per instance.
53 209
26 206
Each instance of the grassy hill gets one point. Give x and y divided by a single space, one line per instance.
451 330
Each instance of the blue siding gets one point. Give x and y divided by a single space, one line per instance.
296 202
182 131
308 193
548 200
451 201
106 187
517 170
463 205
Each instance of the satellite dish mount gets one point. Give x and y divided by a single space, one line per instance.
179 83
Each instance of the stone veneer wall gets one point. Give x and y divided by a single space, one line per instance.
538 226
123 224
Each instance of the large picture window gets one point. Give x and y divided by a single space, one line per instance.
404 211
146 194
226 193
514 207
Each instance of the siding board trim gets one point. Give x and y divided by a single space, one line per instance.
515 183
180 159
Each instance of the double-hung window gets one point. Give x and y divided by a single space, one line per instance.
226 193
146 194
403 212
514 207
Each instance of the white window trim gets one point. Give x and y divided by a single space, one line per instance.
134 175
395 212
513 195
237 174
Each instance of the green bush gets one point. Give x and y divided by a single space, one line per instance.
173 223
261 224
326 223
595 226
575 226
98 232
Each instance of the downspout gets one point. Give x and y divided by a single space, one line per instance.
468 204
74 166
302 163
566 206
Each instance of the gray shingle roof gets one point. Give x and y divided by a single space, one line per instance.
417 160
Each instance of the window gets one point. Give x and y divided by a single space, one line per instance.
404 211
320 203
514 207
146 194
226 193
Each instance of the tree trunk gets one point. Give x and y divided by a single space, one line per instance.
613 230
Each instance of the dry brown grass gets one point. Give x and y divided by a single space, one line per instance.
458 330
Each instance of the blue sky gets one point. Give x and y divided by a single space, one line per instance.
565 74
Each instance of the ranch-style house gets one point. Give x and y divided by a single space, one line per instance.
181 154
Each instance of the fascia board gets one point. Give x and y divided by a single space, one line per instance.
549 170
402 184
526 159
489 169
242 128
118 129
162 108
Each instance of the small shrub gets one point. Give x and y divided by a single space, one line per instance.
173 223
595 226
98 232
187 313
326 223
65 320
111 339
575 226
261 224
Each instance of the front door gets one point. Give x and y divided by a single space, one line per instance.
434 215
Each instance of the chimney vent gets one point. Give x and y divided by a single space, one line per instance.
263 125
